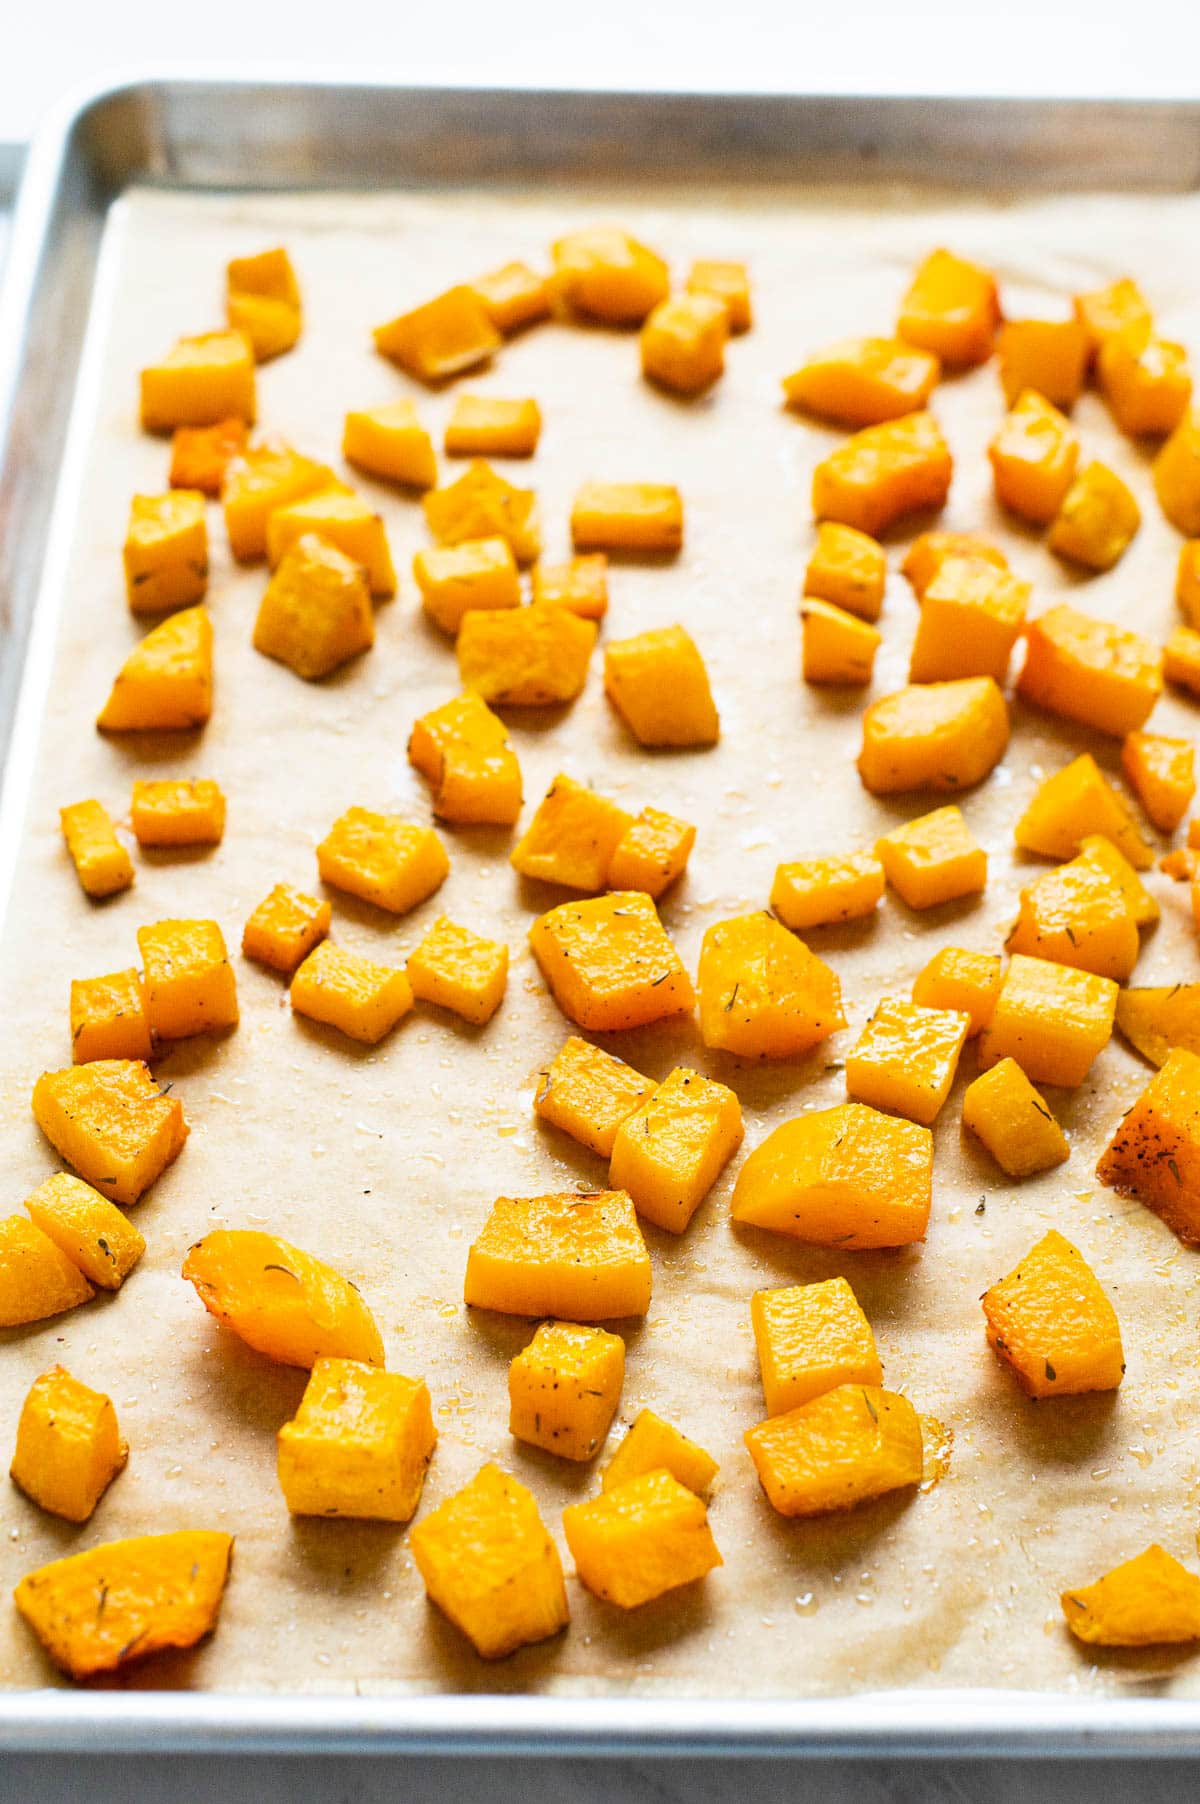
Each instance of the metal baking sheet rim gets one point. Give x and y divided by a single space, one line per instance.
949 1723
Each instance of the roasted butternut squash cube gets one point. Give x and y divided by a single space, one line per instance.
165 684
262 299
564 1387
845 1447
281 1301
285 927
847 568
525 657
606 274
1147 1601
200 382
1050 1018
488 1563
1146 382
640 1539
929 551
906 1057
572 837
200 455
1177 475
1014 1122
464 751
1034 456
441 338
265 477
343 520
513 296
1156 1019
653 1445
69 1447
1154 1155
837 646
177 811
482 505
579 1257
188 979
588 1093
968 982
482 426
652 853
1121 307
1051 1321
671 1150
763 993
359 1444
952 309
934 859
939 736
682 342
627 516
730 283
658 683
580 585
1101 853
810 1339
37 1279
971 617
1078 803
89 1229
110 1120
166 551
816 892
1090 670
1187 581
1181 659
479 574
102 864
390 442
316 612
1096 521
609 963
1049 356
362 999
864 381
108 1018
1162 774
1182 865
459 970
382 858
843 1177
883 473
1077 915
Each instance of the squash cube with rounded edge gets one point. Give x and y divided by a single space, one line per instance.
1100 853
283 1302
525 657
362 999
265 477
1120 307
1148 1601
864 381
837 647
817 892
391 443
89 1229
37 1279
285 927
483 426
564 1387
1146 382
188 980
1078 803
883 473
441 338
316 613
358 1445
604 273
69 1447
1096 521
513 296
1154 1154
108 1017
845 1447
671 1150
165 684
1013 1121
906 1057
652 853
929 551
479 574
658 683
972 615
577 1256
345 521
1050 1018
1155 1019
200 455
847 568
1090 670
951 308
1177 475
1162 773
1078 915
640 1539
627 516
110 1120
1051 1321
459 970
763 992
653 1445
262 299
811 1338
1034 456
940 736
481 504
177 811
1181 659
730 283
166 551
968 982
683 342
609 963
383 859
1049 356
588 1093
488 1563
464 751
102 864
199 382
934 859
580 585
844 1177
572 837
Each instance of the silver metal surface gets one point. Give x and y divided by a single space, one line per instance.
254 134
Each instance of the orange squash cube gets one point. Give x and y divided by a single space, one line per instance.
390 442
281 1301
102 864
177 811
464 751
811 1338
843 1448
1090 670
906 1057
1162 773
267 476
1049 356
968 982
488 1563
1187 581
671 1150
1096 521
359 1444
481 426
658 683
883 473
564 1387
682 343
513 296
939 736
847 568
459 970
1100 852
627 516
441 338
69 1447
1154 1154
200 455
526 657
1182 865
1050 1018
285 927
108 1018
1034 456
929 551
362 999
166 551
1148 1601
1104 312
838 647
455 579
1077 915
816 892
386 860
316 613
111 1122
165 684
844 1177
200 382
763 993
345 521
934 859
864 381
572 837
1051 1321
1161 1017
653 1445
652 853
605 274
188 980
581 585
89 1229
482 505
588 1093
730 283
971 617
1077 803
1181 659
609 963
577 1256
37 1279
1146 382
1013 1121
267 273
262 299
952 309
640 1539
1177 475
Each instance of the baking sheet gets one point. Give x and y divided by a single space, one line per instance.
386 1161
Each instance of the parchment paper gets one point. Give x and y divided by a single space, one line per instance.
385 1162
